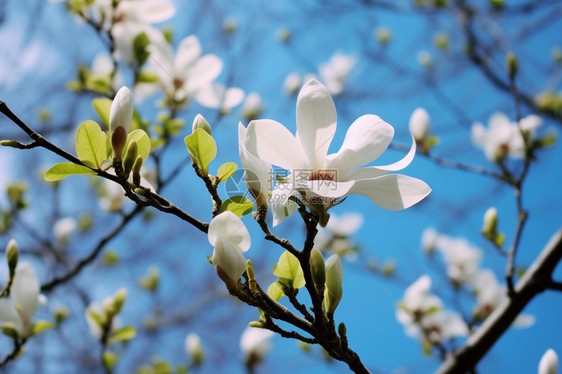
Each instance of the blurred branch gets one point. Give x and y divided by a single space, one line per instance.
535 280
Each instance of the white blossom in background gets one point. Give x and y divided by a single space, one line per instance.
421 313
335 72
549 362
429 240
194 348
216 95
111 196
180 76
382 34
335 237
292 83
19 309
64 228
424 59
230 237
98 308
253 106
461 259
132 18
328 178
255 343
502 137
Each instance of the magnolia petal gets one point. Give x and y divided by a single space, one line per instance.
188 52
25 289
367 138
153 11
257 173
121 112
228 228
8 313
345 225
392 192
229 259
280 204
316 122
203 72
275 144
326 188
232 97
217 96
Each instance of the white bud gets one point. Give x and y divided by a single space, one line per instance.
194 349
419 124
549 363
253 106
429 239
292 83
121 113
490 220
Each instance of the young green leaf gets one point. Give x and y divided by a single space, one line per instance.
41 326
123 334
238 205
289 267
102 106
275 291
91 144
109 359
143 143
63 170
226 170
202 148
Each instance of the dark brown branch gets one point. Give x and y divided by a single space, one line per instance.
535 280
18 345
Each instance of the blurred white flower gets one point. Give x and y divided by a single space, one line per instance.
194 349
218 96
253 106
322 179
230 237
419 124
292 83
502 137
335 237
111 196
429 240
182 75
461 258
549 362
63 228
335 72
443 325
96 316
19 309
425 59
255 343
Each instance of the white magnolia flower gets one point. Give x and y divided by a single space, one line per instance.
255 343
132 18
257 173
19 309
194 348
322 179
63 228
335 237
420 311
419 124
549 362
228 234
253 106
292 83
503 138
335 72
182 75
461 258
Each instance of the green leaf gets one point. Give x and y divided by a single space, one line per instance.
91 144
123 334
202 148
226 170
143 143
41 325
275 291
109 359
102 106
140 44
94 316
99 84
238 205
63 170
137 122
289 267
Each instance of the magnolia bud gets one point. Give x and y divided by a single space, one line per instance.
419 124
12 256
121 112
118 141
429 240
201 123
130 156
318 270
194 349
252 107
511 61
549 363
251 276
342 330
490 221
334 280
119 300
382 34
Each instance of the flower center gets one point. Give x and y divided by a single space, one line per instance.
178 83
